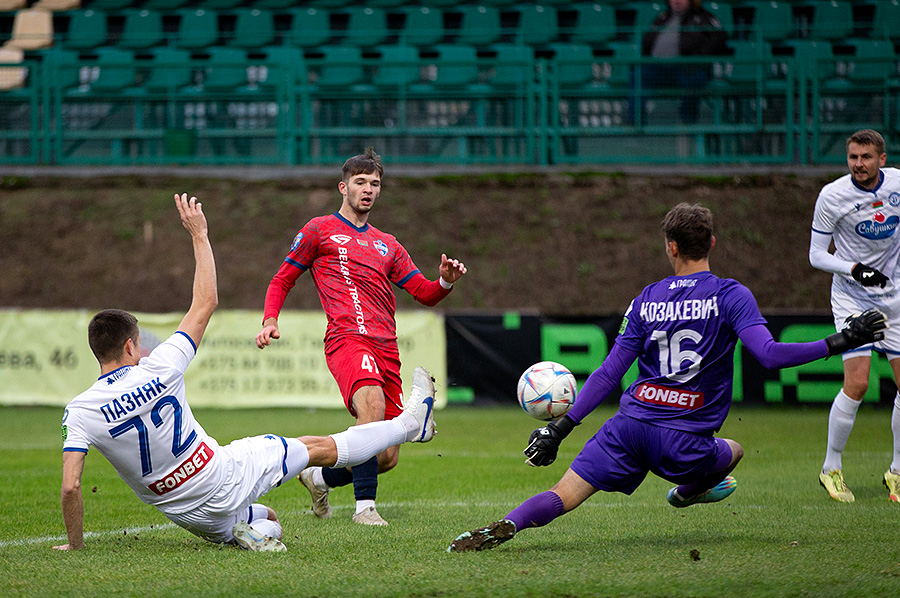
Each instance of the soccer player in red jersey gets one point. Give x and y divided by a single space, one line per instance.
353 265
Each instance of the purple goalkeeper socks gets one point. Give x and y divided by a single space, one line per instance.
718 473
538 510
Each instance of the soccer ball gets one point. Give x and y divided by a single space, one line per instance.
546 390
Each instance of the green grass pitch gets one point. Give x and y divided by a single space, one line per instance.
778 535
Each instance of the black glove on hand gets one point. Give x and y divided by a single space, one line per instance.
545 441
868 277
857 331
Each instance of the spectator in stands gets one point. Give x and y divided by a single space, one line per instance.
684 29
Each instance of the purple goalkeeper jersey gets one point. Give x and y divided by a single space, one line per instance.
684 329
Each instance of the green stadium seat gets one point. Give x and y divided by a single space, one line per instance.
513 65
457 66
748 73
117 71
574 64
273 4
385 3
169 70
594 24
723 12
220 4
442 3
329 3
254 28
814 57
366 26
226 69
198 29
832 20
65 67
480 25
163 5
423 26
282 61
619 73
772 21
107 5
87 29
142 29
310 28
885 19
341 68
398 67
644 15
538 24
874 62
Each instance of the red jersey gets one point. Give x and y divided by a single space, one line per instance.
352 268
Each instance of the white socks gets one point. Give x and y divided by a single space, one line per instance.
267 527
895 428
362 505
358 444
840 423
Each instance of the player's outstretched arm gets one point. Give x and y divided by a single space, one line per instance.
451 269
72 502
205 295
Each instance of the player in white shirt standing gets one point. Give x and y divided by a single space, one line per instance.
861 212
138 417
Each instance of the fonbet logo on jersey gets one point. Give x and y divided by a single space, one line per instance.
880 227
340 239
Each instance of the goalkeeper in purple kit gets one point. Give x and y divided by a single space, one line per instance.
683 331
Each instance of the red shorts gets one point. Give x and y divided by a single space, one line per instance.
355 363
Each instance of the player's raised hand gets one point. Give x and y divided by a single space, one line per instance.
192 216
451 270
857 331
868 276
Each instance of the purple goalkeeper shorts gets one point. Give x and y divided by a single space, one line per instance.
619 456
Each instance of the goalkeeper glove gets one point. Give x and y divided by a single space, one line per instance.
868 276
545 441
857 331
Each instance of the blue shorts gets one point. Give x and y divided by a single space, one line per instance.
619 456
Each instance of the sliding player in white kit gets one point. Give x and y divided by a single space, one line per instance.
138 417
861 212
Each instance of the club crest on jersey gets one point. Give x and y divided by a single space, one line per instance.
382 247
296 242
340 239
879 227
894 199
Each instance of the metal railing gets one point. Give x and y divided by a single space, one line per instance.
442 110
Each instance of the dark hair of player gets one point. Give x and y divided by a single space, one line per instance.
365 163
108 332
690 226
868 137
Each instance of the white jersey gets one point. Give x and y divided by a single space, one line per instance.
139 419
863 224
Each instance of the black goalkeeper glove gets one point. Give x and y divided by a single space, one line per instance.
867 276
545 441
857 331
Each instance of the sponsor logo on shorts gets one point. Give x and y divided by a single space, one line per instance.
671 397
188 469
